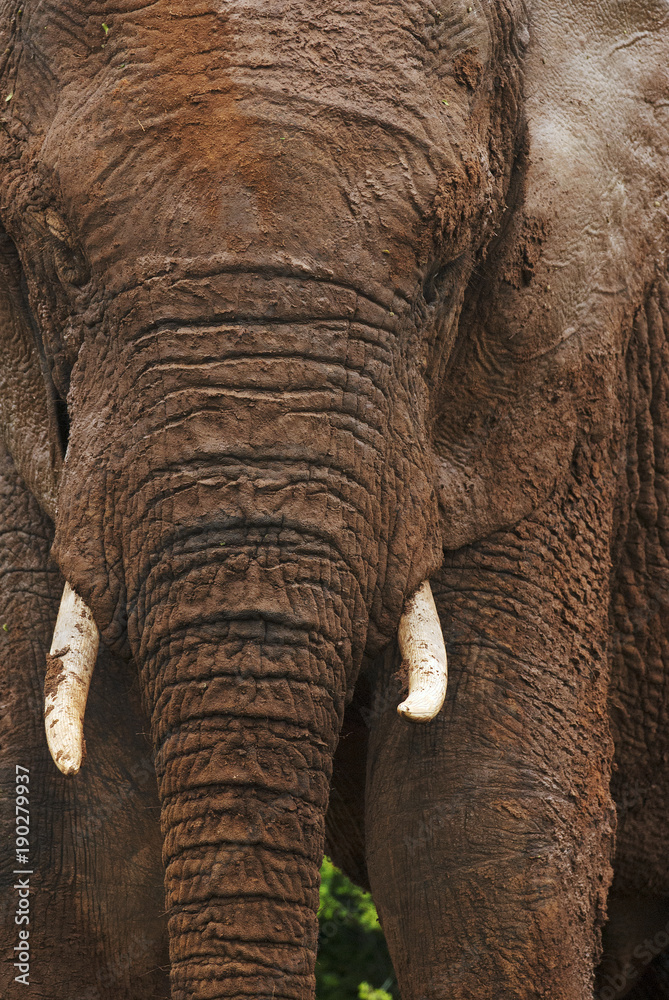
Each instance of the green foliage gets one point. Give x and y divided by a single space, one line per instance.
352 952
365 992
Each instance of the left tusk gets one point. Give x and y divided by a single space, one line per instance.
423 651
69 670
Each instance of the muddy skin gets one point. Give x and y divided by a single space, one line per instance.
467 69
97 926
301 305
55 671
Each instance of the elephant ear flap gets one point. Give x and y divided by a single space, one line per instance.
28 418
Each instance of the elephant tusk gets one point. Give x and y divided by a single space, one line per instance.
69 670
423 651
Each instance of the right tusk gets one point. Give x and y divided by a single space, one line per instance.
69 670
423 651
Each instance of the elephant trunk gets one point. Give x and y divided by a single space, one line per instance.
248 699
261 518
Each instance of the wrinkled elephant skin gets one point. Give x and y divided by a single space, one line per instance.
302 306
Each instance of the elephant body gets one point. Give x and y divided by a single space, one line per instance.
303 305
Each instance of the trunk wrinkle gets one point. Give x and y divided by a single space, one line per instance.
376 296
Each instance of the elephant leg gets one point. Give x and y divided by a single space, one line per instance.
490 830
93 865
636 935
345 818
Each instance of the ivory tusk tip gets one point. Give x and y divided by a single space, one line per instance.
68 767
416 710
69 669
423 651
65 741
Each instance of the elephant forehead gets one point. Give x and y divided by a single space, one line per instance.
252 110
369 35
377 61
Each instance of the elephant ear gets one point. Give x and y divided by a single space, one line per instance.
547 317
28 415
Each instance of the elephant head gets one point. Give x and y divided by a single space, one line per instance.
296 297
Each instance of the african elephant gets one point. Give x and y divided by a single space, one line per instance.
304 305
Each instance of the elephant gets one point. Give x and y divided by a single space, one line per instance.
324 323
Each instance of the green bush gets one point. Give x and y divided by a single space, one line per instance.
365 992
353 961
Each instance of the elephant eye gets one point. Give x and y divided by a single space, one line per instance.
56 226
71 264
440 279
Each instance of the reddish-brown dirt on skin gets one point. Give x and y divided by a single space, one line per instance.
325 299
467 69
55 671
